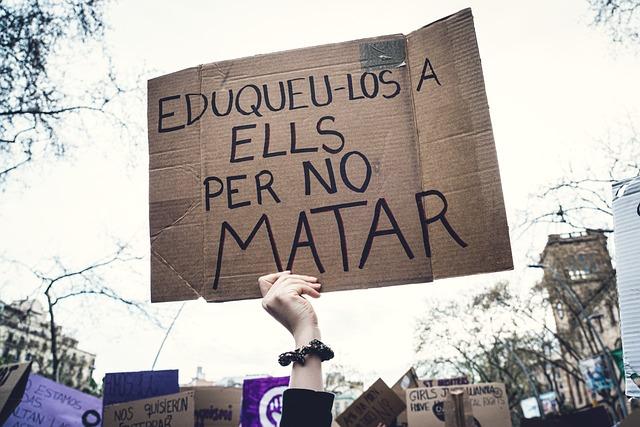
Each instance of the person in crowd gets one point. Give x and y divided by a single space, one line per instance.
304 402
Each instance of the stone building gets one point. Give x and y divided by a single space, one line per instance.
25 336
581 284
346 392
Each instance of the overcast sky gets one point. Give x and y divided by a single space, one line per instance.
556 86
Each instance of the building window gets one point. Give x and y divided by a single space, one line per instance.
582 266
612 314
560 310
578 391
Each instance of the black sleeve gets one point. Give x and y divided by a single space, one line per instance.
306 408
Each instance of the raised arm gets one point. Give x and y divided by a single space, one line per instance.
304 403
283 299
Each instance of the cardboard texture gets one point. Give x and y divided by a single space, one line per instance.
122 387
378 404
48 403
13 381
626 222
216 406
489 403
457 410
366 163
162 411
408 380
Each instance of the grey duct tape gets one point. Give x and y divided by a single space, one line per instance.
383 54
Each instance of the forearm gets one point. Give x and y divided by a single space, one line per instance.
309 375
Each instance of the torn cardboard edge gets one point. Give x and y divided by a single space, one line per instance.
295 50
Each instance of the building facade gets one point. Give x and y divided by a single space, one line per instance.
346 392
25 335
581 284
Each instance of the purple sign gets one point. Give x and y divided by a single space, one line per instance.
47 403
122 387
262 401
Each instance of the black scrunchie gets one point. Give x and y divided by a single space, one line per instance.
316 347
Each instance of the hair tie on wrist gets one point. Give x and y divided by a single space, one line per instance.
315 347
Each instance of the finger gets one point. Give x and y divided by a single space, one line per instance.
271 278
303 277
289 283
294 278
266 282
307 290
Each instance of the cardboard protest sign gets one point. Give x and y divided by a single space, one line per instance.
216 406
457 410
626 220
549 402
13 380
444 382
425 406
366 163
47 403
408 380
162 411
127 386
262 401
378 404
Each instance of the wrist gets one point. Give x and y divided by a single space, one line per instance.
305 334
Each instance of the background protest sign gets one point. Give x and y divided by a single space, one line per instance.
216 406
378 404
444 382
596 376
47 403
162 411
549 402
408 380
127 386
13 381
366 163
262 401
626 223
425 406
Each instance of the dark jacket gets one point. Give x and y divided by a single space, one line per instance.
306 408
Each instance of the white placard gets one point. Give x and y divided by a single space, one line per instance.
626 219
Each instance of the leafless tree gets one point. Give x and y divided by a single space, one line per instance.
36 96
499 336
581 198
62 283
620 17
